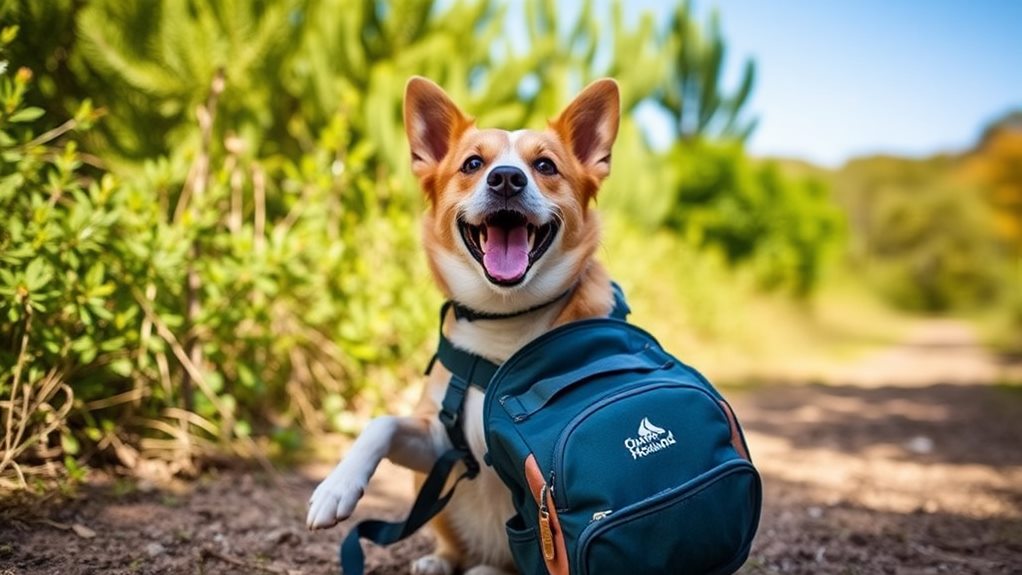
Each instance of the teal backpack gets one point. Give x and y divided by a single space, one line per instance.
618 457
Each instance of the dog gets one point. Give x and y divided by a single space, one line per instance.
510 227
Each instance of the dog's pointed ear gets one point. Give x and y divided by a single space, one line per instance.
432 122
589 125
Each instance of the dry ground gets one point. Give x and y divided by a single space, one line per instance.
907 462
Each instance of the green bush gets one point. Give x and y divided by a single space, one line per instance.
923 237
56 322
783 228
229 258
196 301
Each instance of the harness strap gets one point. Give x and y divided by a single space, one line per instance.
450 415
462 311
475 369
466 369
620 310
431 500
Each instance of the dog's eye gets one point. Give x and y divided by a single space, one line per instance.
472 164
545 166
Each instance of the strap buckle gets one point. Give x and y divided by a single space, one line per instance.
471 465
448 418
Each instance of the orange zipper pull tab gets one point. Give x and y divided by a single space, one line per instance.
546 535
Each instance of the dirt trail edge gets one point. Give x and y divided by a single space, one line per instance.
906 462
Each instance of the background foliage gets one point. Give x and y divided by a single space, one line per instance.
208 230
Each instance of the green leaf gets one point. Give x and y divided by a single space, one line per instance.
122 367
8 34
112 344
242 429
26 114
69 444
37 274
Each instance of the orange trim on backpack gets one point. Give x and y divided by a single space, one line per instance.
559 564
736 436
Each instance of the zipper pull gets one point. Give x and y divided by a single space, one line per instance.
546 535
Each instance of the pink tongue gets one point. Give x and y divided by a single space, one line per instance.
506 252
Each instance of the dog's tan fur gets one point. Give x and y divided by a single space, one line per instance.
470 531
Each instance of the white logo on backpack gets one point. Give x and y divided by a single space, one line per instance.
650 439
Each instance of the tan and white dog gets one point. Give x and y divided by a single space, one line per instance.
510 227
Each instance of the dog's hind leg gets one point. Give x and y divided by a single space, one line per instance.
434 564
487 570
448 555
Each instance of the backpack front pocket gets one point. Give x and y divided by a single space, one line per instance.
703 527
654 437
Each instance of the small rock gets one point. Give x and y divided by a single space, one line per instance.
246 484
283 536
83 531
815 512
155 549
920 445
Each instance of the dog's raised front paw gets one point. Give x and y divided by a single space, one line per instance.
333 500
432 565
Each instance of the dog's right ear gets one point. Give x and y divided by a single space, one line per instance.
432 121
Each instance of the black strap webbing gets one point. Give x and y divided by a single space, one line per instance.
430 501
466 369
620 310
462 311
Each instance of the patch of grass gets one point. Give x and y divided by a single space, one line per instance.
124 486
1011 388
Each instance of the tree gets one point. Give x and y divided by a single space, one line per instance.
692 93
996 166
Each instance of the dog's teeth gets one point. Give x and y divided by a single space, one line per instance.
481 230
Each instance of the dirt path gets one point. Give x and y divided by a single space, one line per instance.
907 462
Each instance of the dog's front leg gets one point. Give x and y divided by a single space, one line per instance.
407 441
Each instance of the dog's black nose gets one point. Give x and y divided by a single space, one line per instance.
507 181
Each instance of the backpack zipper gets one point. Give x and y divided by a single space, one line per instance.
546 534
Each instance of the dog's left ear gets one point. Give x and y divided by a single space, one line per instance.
589 125
432 122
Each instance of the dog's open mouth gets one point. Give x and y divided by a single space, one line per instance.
506 244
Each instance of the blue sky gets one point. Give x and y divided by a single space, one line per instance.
841 79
